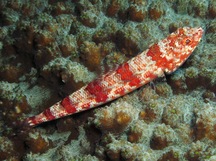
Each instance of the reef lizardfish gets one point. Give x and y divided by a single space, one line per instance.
163 57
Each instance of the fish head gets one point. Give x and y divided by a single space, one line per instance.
178 46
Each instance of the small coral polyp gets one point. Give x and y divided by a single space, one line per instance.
205 125
37 144
91 55
139 132
113 8
136 13
114 121
163 136
156 10
88 19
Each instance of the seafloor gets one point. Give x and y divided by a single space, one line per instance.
48 49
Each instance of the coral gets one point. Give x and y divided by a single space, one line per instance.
156 10
185 133
89 19
27 35
163 89
212 9
174 112
147 94
211 27
191 75
204 75
66 124
15 62
123 150
211 32
181 6
49 49
91 55
116 120
120 149
148 115
194 8
152 111
42 59
134 136
8 149
136 13
68 46
61 8
208 96
37 144
114 59
44 39
199 8
205 123
107 33
127 41
209 75
9 17
113 8
10 73
75 150
140 132
177 82
76 147
173 27
163 136
71 68
13 105
101 36
170 155
199 151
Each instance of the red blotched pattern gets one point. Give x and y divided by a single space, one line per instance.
127 75
49 114
67 104
155 53
95 89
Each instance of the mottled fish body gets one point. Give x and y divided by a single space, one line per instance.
163 57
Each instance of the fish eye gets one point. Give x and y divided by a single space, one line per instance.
187 41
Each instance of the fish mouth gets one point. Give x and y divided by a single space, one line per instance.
193 31
198 31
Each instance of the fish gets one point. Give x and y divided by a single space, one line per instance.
163 57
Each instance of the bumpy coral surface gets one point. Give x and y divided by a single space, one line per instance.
49 49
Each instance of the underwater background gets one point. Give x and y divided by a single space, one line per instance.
49 49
